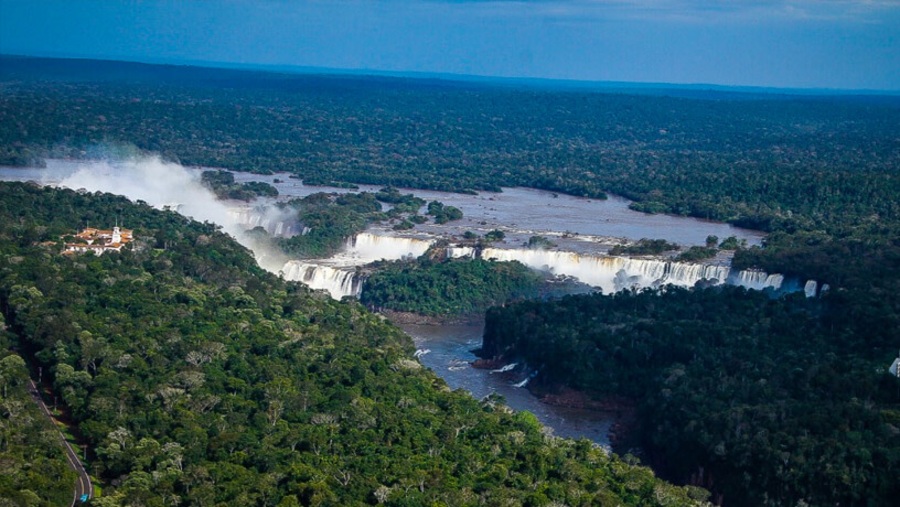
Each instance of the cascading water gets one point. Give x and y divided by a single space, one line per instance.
461 252
756 280
613 274
811 288
610 273
339 282
372 247
339 275
249 219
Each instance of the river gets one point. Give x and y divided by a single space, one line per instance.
523 212
450 350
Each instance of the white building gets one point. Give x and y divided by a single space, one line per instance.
99 241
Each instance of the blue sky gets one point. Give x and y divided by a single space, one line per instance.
847 44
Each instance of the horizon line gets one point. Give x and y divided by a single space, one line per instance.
525 81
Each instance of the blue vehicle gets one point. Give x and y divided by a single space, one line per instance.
83 498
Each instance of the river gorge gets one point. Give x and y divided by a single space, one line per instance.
583 231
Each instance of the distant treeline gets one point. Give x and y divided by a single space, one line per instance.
763 161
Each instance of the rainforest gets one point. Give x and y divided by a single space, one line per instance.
193 376
190 375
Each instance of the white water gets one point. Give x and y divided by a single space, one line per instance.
522 383
504 369
339 276
810 288
523 210
275 222
451 353
372 247
160 184
339 282
757 280
571 222
613 274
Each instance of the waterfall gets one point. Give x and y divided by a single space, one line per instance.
508 367
275 222
367 247
339 282
611 274
338 275
810 289
461 252
756 280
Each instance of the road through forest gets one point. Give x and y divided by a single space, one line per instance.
83 489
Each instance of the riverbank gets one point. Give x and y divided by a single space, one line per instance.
447 350
417 319
622 409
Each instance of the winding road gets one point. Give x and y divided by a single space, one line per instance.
84 491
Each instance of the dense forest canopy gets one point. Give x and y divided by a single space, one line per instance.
35 470
196 378
766 401
767 161
449 287
329 220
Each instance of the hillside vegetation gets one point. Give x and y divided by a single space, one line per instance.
196 378
765 401
35 469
